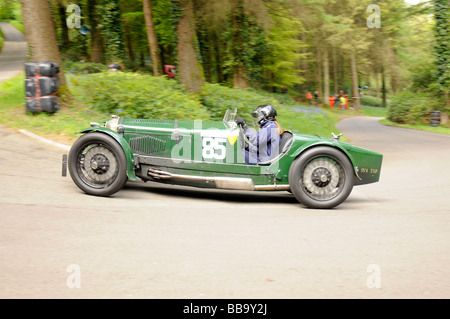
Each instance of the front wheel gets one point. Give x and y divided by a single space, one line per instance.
322 177
97 164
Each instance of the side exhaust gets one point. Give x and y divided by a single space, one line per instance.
231 183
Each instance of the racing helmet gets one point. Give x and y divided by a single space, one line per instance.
264 113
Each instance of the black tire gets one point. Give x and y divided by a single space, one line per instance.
106 173
322 177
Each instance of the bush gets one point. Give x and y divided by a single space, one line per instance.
83 67
411 107
368 100
137 96
218 99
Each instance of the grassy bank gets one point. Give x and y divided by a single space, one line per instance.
425 128
63 125
363 111
60 127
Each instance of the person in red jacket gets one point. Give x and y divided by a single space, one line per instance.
332 99
309 97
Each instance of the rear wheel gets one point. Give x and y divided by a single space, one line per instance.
322 177
97 164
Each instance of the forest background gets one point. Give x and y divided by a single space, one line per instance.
241 53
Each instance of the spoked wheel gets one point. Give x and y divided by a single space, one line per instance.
97 164
322 177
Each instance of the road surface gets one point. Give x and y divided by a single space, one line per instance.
14 52
388 240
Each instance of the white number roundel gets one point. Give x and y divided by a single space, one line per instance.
214 148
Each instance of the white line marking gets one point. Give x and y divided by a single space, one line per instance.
39 138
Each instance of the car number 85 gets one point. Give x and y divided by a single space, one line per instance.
214 148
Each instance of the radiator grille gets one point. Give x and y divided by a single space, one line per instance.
149 145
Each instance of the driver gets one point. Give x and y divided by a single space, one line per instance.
263 145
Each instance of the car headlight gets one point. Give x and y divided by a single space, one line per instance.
113 123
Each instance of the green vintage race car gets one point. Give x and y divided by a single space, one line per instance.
319 172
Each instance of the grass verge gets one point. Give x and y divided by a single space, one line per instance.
426 128
59 127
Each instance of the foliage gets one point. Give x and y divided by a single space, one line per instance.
145 96
7 10
412 107
83 67
283 52
291 115
245 46
1 40
137 96
324 45
79 47
111 26
166 14
307 120
10 11
442 45
369 100
60 126
134 23
218 99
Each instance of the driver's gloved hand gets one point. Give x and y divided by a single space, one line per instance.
240 121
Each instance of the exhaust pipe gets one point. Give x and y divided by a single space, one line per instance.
232 183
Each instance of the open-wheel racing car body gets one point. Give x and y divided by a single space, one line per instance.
320 172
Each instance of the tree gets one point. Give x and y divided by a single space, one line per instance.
112 31
442 47
189 67
153 42
97 50
40 35
283 50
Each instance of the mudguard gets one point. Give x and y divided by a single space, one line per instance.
334 144
122 142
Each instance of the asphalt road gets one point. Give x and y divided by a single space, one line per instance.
388 240
14 52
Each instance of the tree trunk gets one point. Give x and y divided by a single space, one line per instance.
129 42
189 68
218 62
377 83
383 87
41 35
355 86
96 34
326 78
109 13
152 41
239 71
319 75
335 72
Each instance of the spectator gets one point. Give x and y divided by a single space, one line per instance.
309 97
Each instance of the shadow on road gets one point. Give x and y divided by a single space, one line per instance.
210 194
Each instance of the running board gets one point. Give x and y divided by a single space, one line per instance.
233 183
